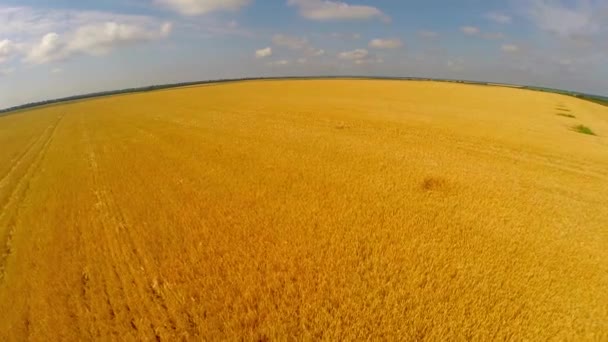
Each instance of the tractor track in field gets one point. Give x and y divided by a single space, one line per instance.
19 160
555 162
107 222
161 292
187 319
130 292
19 193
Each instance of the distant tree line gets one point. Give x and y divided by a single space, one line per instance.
594 98
113 92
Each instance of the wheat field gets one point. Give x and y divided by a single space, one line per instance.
306 210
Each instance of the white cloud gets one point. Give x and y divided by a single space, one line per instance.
282 62
580 19
211 27
7 49
52 35
51 48
499 18
509 48
316 52
262 53
302 60
26 22
391 43
354 54
470 30
326 10
475 31
94 39
101 38
360 57
200 7
428 34
56 71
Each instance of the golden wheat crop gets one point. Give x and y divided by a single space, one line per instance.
306 210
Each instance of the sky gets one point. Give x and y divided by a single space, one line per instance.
58 48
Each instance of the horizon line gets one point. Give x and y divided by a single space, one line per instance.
157 87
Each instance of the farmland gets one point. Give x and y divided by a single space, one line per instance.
306 209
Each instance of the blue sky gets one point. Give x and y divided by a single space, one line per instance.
58 48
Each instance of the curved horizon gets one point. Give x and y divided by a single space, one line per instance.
55 49
153 87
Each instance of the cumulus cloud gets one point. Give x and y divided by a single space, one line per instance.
51 48
583 18
213 27
360 57
101 38
23 20
475 31
28 22
327 10
282 62
499 18
7 49
201 7
391 43
575 35
509 48
470 30
263 53
354 54
52 35
94 39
